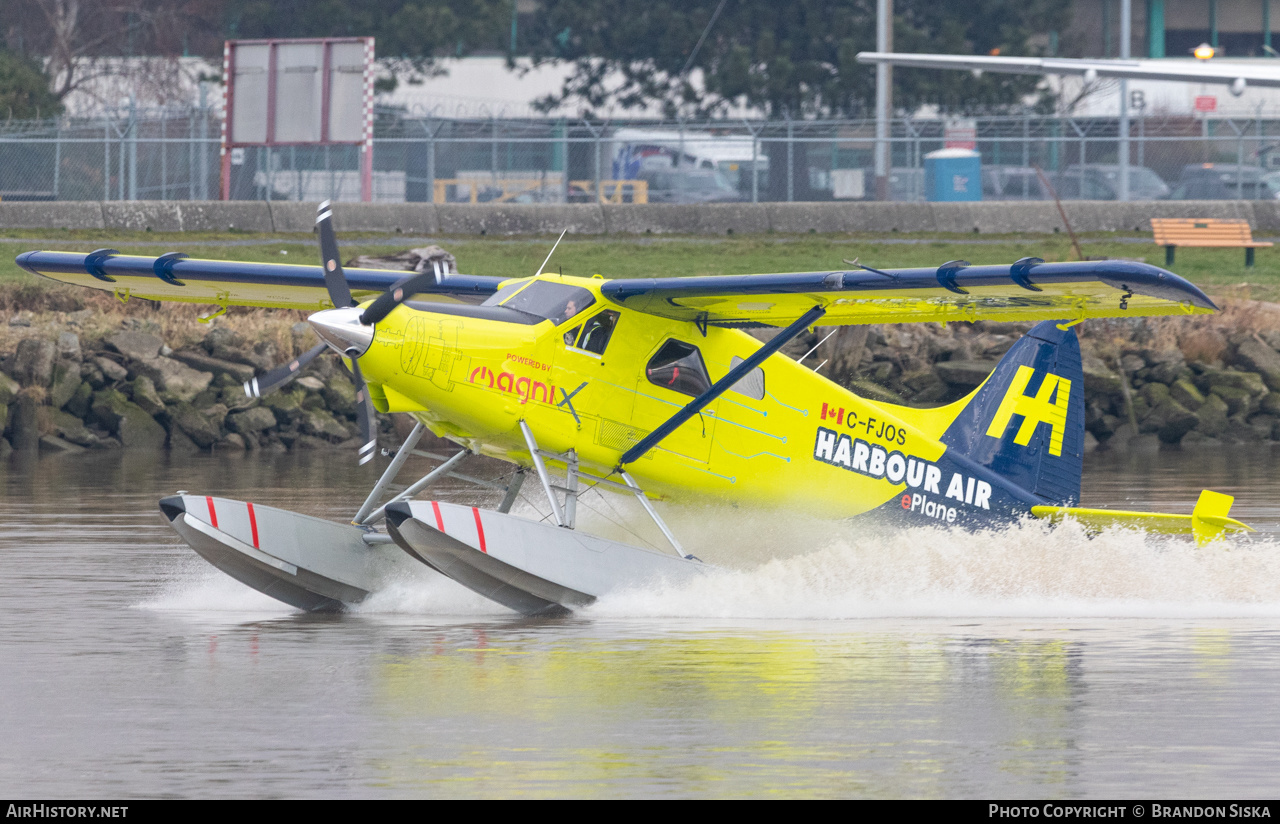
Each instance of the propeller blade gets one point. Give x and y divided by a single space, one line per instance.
398 294
364 415
271 381
334 279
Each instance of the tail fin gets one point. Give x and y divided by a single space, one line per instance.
1026 422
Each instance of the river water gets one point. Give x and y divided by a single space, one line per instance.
824 661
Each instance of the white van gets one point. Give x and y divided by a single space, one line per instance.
634 150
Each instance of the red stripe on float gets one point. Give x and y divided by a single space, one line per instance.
213 514
253 526
479 529
439 520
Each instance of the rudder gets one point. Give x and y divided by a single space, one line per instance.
1026 421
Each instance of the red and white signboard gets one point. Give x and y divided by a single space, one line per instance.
960 133
1206 103
307 92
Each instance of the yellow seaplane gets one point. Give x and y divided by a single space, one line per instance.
650 388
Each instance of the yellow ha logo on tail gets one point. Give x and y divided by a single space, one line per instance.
1048 406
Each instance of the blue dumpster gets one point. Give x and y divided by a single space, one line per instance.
952 175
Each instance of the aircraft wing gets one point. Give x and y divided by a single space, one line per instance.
1028 290
228 283
1256 73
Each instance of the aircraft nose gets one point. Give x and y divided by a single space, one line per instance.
342 330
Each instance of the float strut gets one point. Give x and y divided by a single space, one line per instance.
571 490
406 449
421 484
648 507
556 512
513 491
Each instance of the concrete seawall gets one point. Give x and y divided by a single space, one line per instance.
630 219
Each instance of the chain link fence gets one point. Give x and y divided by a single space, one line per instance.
154 155
174 154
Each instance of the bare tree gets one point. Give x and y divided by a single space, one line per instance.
72 35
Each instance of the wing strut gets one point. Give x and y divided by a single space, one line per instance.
719 387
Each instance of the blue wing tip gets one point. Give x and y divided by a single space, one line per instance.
1198 297
1157 282
22 260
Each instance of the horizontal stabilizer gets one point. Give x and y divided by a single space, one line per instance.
175 277
1208 522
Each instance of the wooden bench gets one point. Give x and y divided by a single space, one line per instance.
1174 232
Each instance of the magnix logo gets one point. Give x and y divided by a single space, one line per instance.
1048 406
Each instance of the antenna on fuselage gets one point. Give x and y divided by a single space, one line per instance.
552 252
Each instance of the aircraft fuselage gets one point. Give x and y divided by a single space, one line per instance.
782 436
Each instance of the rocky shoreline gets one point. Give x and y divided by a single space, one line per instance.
131 389
1191 382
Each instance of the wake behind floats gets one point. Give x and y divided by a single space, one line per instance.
648 387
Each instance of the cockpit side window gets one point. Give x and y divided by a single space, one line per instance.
678 366
556 302
597 331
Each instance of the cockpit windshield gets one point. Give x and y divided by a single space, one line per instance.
556 302
497 298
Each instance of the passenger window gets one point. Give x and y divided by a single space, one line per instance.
571 335
678 366
596 332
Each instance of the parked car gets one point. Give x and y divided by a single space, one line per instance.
1023 183
1225 181
1076 182
681 185
1012 183
1144 184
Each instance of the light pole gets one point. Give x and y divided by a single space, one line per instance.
884 96
1126 16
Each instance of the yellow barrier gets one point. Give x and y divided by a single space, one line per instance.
509 188
610 191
